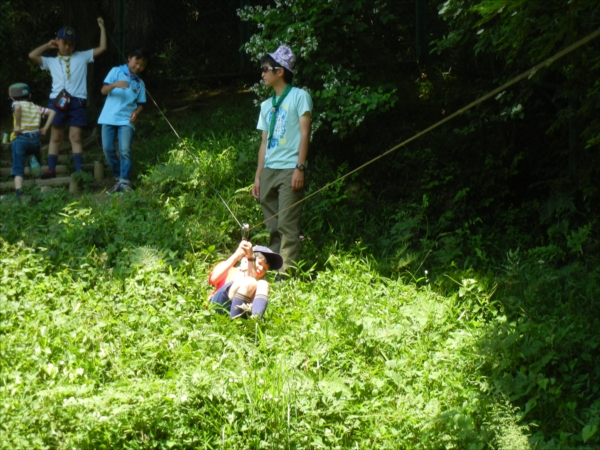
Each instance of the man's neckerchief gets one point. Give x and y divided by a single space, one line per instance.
276 105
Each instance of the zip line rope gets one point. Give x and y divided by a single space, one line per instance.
529 73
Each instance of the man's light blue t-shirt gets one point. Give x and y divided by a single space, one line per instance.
120 103
284 146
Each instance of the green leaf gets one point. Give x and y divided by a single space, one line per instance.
588 431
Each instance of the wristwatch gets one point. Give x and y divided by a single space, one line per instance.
300 167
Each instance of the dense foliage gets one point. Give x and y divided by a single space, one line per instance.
107 341
448 295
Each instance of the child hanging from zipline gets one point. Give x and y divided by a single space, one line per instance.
240 290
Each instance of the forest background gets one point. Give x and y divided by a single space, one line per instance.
465 264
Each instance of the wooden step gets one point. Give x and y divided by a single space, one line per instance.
59 181
59 169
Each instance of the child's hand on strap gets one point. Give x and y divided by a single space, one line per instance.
100 22
246 248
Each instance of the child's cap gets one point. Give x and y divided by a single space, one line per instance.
274 259
284 56
67 33
18 90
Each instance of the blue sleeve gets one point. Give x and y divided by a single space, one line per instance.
141 98
112 76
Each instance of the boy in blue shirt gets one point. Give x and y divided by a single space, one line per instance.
126 97
285 121
69 90
25 138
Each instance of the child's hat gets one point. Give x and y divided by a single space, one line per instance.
18 90
285 57
274 259
67 33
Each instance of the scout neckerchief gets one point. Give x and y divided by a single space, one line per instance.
276 105
135 80
67 62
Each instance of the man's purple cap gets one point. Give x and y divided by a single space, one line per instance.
285 57
274 259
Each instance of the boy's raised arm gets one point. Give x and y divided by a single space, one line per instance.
36 54
223 267
102 46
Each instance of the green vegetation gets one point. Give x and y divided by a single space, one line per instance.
449 294
107 341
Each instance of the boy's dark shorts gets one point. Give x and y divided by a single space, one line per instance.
221 298
75 115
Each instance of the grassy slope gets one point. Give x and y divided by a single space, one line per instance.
106 341
96 360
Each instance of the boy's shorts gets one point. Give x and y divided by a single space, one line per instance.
75 115
221 298
26 144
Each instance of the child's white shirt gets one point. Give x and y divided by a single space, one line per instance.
76 86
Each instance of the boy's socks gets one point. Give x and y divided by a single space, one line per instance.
19 192
51 172
78 160
238 304
259 305
52 160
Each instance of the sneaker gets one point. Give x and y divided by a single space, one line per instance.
34 166
125 187
113 190
48 174
246 307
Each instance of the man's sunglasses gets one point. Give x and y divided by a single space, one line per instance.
265 69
